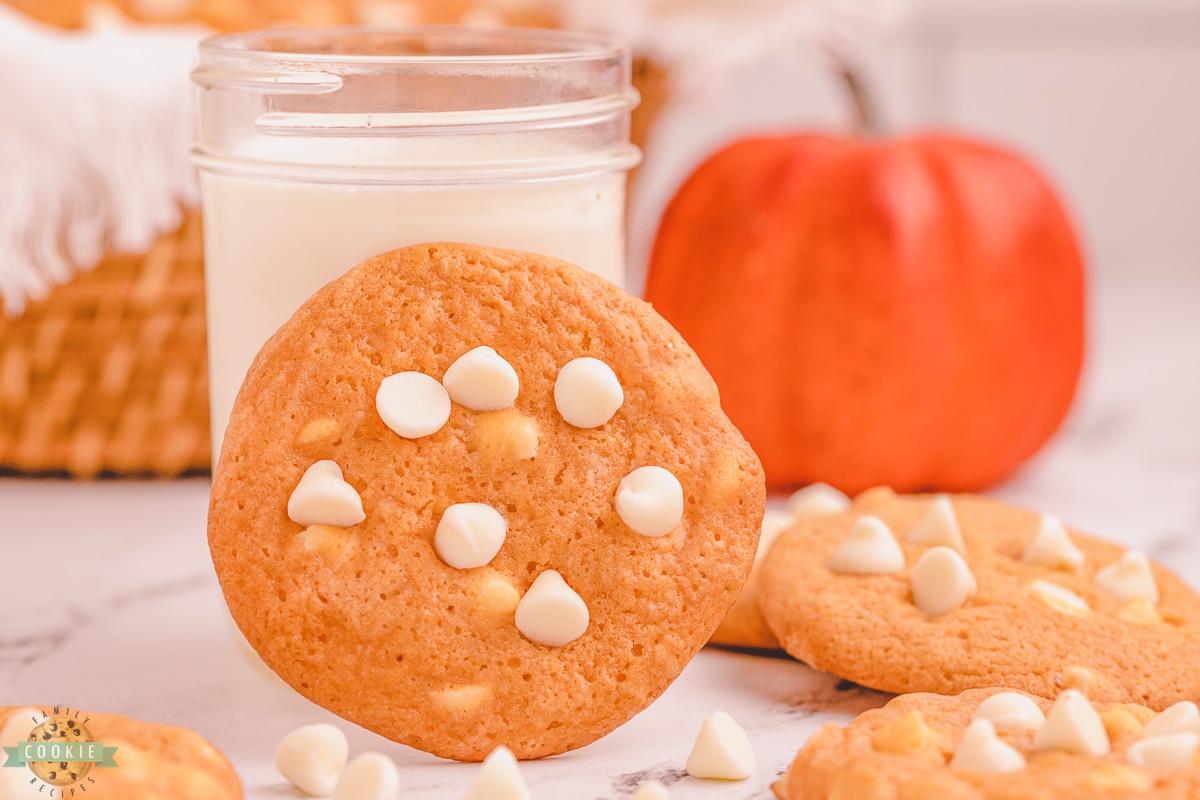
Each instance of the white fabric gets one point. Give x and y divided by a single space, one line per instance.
94 140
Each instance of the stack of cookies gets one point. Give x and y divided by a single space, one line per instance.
1034 660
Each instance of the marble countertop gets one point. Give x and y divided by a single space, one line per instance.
110 602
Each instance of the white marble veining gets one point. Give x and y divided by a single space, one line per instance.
110 603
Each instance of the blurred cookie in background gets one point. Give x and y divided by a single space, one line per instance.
235 15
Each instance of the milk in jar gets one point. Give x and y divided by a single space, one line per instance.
321 148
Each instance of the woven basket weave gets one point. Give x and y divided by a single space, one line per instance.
109 374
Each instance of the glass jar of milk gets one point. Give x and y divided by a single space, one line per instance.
320 148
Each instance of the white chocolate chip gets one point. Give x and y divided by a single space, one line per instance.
722 750
980 750
1183 716
412 404
1073 725
328 540
461 698
1058 597
907 735
587 392
370 776
1080 678
775 521
650 501
499 778
1117 780
312 757
939 526
874 497
1121 723
817 500
1139 611
1052 546
869 549
482 380
941 581
551 613
496 596
505 435
651 790
322 497
1011 712
1129 577
469 535
1166 751
323 429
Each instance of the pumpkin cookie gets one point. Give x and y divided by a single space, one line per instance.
996 743
151 761
744 625
472 497
941 594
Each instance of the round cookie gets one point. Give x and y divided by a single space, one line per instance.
153 760
909 748
744 626
1020 628
369 620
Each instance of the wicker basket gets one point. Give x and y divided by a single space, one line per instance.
108 375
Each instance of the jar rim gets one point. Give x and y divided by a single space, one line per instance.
414 45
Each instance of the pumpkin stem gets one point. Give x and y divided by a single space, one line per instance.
866 118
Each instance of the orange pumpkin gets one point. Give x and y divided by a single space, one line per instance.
903 312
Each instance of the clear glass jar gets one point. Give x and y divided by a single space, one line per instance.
320 148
